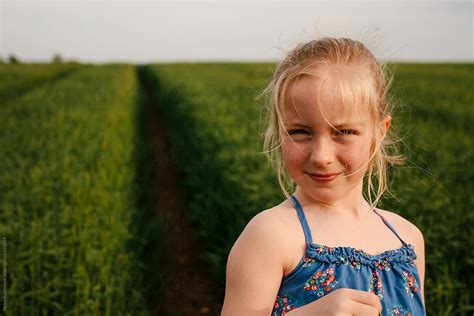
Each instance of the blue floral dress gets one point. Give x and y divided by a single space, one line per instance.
391 275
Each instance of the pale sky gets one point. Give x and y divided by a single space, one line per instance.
167 31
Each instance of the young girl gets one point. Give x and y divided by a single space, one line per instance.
326 250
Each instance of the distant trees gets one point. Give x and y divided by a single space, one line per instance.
57 59
12 59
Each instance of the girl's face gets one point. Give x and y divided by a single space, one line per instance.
326 163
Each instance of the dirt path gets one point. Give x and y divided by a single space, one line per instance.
188 288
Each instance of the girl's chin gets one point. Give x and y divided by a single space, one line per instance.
323 191
326 192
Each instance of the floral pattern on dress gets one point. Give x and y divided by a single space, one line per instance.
323 249
383 264
375 284
284 304
308 261
352 262
321 283
410 284
398 310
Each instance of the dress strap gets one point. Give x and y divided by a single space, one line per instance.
302 217
389 226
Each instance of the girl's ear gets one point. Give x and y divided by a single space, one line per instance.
386 125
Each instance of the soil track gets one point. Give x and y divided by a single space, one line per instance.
188 288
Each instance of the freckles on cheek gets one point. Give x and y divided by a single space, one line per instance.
357 158
353 155
293 155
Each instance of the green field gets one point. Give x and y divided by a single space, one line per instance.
73 194
75 160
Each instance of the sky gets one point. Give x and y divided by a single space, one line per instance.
193 31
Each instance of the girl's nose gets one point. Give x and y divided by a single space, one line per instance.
322 152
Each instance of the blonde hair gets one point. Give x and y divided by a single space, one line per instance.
330 53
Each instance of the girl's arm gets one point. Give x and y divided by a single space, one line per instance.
419 244
254 268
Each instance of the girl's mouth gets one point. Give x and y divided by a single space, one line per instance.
323 177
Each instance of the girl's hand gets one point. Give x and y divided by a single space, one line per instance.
342 302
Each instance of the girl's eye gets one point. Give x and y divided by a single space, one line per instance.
297 131
346 132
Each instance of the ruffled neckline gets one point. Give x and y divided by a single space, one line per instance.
343 254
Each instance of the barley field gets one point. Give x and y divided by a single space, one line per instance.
77 235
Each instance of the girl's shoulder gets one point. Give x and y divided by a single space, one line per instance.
274 220
279 224
267 237
278 215
408 231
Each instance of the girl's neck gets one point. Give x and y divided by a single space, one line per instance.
352 205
